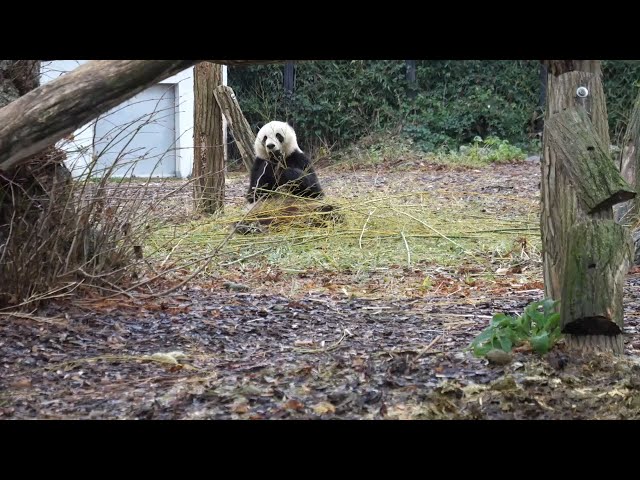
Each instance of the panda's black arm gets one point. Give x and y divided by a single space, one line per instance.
306 181
258 174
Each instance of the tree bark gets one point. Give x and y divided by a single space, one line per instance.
586 161
595 270
41 176
558 67
208 159
238 124
559 201
29 194
48 113
586 253
627 213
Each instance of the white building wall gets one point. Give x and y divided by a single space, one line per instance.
80 149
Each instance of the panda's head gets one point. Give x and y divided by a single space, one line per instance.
276 140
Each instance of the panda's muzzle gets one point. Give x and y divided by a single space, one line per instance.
275 154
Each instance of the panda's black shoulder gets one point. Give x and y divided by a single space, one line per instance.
298 159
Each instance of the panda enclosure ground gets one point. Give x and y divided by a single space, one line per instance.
366 320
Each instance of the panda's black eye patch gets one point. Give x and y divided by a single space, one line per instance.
279 137
264 139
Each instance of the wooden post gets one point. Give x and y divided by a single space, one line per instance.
586 253
238 124
558 198
208 158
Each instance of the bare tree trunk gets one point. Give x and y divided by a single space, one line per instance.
26 191
238 124
598 250
208 158
586 253
38 174
558 199
289 82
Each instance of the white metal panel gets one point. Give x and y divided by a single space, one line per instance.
139 136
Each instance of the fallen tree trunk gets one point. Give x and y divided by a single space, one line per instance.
240 128
45 115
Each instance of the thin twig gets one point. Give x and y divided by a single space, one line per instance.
323 350
406 245
59 321
371 212
122 358
47 295
432 229
428 347
242 259
203 266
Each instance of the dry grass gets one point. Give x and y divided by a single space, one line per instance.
395 222
60 234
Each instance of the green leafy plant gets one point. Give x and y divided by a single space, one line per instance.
493 149
451 101
341 101
539 325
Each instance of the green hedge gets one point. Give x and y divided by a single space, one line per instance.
337 102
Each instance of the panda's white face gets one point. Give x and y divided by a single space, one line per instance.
276 140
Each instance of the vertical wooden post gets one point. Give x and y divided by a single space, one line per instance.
208 158
557 196
585 253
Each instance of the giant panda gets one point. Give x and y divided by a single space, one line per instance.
280 165
283 185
